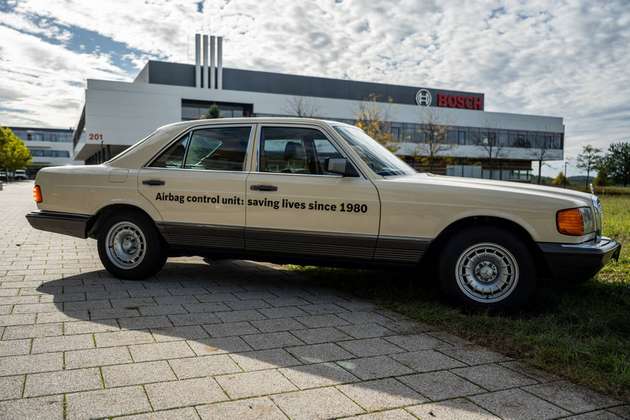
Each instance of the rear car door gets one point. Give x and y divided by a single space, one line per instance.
295 207
197 184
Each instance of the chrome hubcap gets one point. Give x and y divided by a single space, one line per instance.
487 272
126 245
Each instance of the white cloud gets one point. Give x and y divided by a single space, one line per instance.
569 59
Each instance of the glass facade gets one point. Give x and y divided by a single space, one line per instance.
55 136
194 110
50 153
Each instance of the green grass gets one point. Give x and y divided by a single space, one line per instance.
579 332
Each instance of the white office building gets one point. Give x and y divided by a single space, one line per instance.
475 142
48 146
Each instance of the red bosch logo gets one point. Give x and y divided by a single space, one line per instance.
459 101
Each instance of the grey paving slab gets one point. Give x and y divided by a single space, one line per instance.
122 338
381 394
248 409
518 404
264 359
417 342
218 345
369 330
61 343
11 387
15 365
87 327
441 385
185 392
277 324
317 321
494 377
15 347
137 373
107 403
282 312
426 360
32 331
43 408
159 351
474 355
320 335
374 367
49 383
230 329
322 403
317 353
318 375
458 408
596 415
571 397
271 340
237 316
187 332
397 414
187 413
255 384
97 357
194 367
370 347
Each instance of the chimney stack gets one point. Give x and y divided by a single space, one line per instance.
197 60
220 62
212 63
205 62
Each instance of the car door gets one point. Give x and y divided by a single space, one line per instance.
197 184
296 207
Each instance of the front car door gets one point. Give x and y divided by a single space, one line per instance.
296 208
197 184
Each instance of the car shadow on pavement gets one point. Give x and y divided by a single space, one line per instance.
242 318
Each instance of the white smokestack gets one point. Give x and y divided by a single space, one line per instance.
220 62
205 61
212 63
197 60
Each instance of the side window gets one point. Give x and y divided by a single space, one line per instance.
220 149
173 157
295 151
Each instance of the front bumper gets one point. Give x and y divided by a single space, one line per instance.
65 223
579 261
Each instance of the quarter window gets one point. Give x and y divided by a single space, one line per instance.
219 149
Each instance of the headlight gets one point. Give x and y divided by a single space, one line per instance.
575 222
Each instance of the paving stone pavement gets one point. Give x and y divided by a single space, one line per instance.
235 339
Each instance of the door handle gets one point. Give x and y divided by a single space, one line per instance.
153 182
263 188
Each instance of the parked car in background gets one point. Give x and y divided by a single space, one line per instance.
320 192
20 175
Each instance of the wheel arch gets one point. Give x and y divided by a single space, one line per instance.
95 221
475 221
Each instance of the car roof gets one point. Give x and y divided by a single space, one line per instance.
253 120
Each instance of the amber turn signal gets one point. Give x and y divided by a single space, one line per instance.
37 194
570 222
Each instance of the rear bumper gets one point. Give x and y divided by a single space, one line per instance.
579 261
65 223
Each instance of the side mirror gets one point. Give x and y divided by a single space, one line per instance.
340 166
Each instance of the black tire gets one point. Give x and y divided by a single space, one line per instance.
493 256
139 227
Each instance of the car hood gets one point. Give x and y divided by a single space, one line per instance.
506 186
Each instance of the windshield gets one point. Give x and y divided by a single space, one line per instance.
377 157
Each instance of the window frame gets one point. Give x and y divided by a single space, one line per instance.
258 143
188 132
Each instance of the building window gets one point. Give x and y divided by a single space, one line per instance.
50 153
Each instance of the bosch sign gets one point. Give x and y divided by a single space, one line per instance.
449 99
459 101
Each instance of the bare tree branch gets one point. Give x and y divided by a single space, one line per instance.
300 106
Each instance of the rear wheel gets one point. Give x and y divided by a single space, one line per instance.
487 267
130 247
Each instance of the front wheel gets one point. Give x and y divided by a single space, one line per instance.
487 267
130 247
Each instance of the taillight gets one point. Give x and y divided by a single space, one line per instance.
570 222
37 194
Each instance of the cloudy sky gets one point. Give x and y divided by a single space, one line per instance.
563 58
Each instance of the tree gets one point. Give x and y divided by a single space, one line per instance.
618 162
588 160
300 106
13 152
371 117
491 145
540 152
601 180
560 180
434 144
213 112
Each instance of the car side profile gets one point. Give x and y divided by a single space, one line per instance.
319 192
